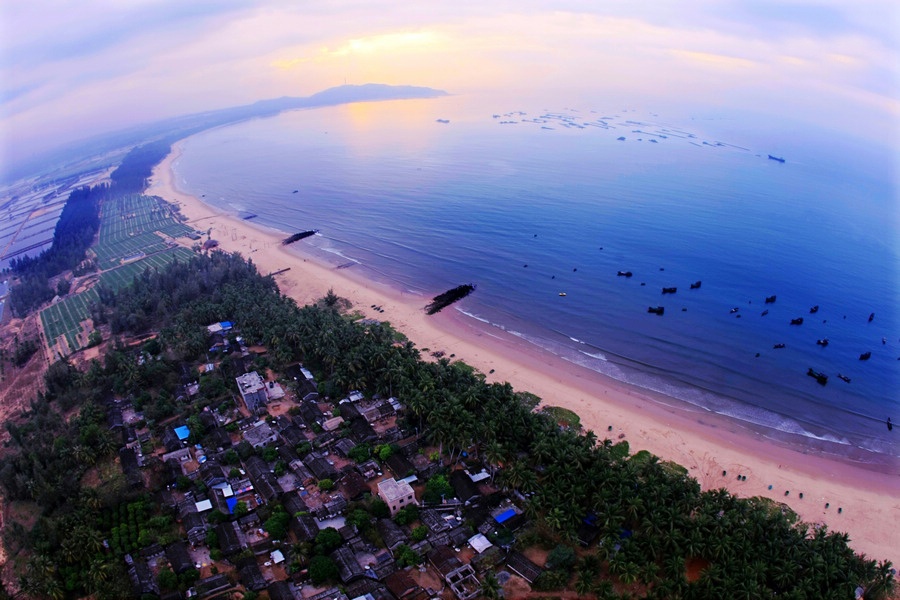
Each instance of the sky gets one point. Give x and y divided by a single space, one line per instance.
73 70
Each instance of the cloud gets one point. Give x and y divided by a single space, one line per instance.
126 62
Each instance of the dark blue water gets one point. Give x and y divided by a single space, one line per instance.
427 206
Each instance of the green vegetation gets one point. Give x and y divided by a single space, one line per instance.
655 514
563 416
74 232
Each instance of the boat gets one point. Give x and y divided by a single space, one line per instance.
656 310
770 299
734 310
820 377
865 356
764 313
797 321
823 342
669 290
843 378
777 346
778 158
562 293
814 309
696 285
624 274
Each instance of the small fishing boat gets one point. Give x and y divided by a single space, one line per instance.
820 377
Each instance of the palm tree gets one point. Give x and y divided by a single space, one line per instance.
490 587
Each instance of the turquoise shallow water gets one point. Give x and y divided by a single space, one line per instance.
426 205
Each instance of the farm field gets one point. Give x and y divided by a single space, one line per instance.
64 319
128 229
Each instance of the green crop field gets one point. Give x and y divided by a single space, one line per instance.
65 317
129 225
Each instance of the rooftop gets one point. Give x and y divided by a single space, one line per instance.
392 489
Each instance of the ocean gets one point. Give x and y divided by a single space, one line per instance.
540 207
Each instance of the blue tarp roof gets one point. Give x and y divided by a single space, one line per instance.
505 515
231 502
226 324
182 432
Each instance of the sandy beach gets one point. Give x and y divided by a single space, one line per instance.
861 502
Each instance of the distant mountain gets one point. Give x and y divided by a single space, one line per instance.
112 146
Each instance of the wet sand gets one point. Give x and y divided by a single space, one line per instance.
703 442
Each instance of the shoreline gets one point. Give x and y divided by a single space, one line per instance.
705 443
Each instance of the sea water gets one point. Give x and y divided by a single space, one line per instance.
530 202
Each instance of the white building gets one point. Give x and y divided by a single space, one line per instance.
397 494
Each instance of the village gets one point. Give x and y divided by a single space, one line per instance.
284 444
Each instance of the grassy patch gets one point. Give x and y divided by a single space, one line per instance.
564 417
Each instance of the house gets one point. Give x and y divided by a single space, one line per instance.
519 564
129 463
400 465
260 435
114 418
333 507
396 494
369 469
252 578
219 438
194 527
293 504
141 577
353 484
391 534
179 557
293 436
214 584
304 527
180 456
444 560
463 487
402 586
368 589
479 543
283 590
343 446
320 466
274 391
249 522
333 423
253 391
433 520
384 565
361 431
229 539
171 440
329 594
212 474
348 567
311 413
301 472
263 480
